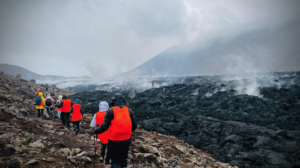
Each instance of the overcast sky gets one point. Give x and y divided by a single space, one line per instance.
109 37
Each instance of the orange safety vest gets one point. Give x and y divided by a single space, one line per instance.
99 120
120 126
76 116
66 106
59 109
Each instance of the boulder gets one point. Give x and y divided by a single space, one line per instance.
65 151
84 153
18 76
75 151
37 144
32 81
50 159
31 162
149 157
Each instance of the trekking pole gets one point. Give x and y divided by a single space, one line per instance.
95 144
132 145
54 113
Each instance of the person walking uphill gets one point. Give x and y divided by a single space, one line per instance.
65 106
77 115
49 103
98 119
39 104
59 109
120 121
37 93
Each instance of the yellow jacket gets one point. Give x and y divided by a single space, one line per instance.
42 103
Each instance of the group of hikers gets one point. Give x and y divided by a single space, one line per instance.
53 87
113 126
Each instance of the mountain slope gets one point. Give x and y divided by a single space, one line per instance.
259 50
26 74
14 70
30 142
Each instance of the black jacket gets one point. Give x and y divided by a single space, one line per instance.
110 116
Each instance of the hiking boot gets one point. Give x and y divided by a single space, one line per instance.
101 160
107 162
76 132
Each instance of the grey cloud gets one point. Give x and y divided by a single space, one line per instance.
106 38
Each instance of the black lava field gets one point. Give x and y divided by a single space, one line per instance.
247 122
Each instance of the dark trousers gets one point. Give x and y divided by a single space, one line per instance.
103 148
118 153
40 112
76 125
49 109
65 119
46 89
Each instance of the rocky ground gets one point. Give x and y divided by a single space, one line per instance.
29 141
247 122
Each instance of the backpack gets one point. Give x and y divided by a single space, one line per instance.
48 102
38 100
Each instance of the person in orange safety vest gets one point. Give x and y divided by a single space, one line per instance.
37 93
65 106
98 119
77 115
120 121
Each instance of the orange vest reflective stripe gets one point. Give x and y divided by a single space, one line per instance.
76 116
99 120
59 109
66 106
120 126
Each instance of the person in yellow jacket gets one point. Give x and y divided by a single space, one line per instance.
40 104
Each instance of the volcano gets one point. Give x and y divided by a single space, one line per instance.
252 51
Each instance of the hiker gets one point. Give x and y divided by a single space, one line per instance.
98 120
77 115
65 106
59 109
49 103
46 87
37 93
39 104
120 121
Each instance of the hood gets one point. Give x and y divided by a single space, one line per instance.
48 96
65 97
118 100
41 94
77 101
103 106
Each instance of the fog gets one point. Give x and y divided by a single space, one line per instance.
107 38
